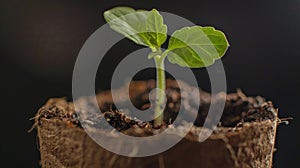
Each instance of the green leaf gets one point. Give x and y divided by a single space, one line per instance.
196 46
156 29
127 22
143 27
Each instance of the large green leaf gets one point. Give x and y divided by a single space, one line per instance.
196 46
143 27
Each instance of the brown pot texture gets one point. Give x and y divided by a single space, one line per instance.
245 138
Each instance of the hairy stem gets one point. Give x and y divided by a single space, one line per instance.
161 86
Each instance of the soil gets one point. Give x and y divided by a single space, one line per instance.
238 108
253 114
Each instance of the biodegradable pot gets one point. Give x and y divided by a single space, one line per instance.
245 137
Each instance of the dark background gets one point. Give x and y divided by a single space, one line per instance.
40 41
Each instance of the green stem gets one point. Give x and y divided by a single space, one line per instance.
161 85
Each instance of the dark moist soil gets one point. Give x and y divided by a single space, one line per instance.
238 107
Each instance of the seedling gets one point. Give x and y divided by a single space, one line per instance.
192 47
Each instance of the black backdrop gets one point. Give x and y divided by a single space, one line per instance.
40 41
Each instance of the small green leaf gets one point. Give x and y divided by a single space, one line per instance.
156 29
143 27
196 46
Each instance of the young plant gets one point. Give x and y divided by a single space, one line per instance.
192 47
